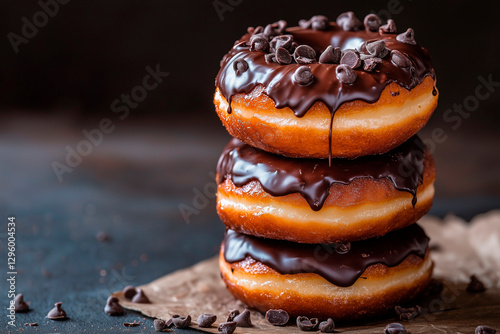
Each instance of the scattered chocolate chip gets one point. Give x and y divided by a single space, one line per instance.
372 22
485 330
408 313
57 313
20 306
240 66
259 42
389 28
33 324
330 56
349 22
306 324
370 63
475 285
170 323
282 41
320 22
206 320
276 28
112 307
377 49
131 324
304 54
181 322
283 57
303 76
270 58
159 325
232 314
407 37
327 326
346 75
227 327
243 319
351 59
305 24
258 30
277 317
395 328
399 59
129 291
102 236
140 297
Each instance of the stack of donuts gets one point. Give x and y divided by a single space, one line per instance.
322 185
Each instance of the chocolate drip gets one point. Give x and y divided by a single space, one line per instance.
312 178
340 269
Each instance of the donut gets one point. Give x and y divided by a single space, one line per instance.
326 90
310 201
322 281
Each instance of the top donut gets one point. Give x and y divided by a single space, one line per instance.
325 89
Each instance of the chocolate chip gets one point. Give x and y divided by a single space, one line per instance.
170 323
259 42
475 285
276 28
327 326
129 291
243 319
20 306
306 324
304 54
131 324
399 59
408 313
270 58
159 325
372 22
389 28
349 22
227 327
395 328
485 330
112 307
206 320
181 322
277 317
140 297
232 314
283 57
282 41
370 63
57 313
320 22
377 49
351 59
407 37
33 324
346 75
303 76
258 30
305 24
330 56
240 66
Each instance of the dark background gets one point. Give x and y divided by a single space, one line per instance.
65 78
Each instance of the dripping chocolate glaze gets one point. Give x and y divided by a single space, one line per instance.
340 269
312 178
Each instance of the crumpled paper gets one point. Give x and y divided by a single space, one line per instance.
461 250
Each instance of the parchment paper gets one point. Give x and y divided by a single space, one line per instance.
461 250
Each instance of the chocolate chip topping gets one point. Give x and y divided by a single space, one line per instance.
408 313
206 320
243 319
282 41
377 49
112 307
395 328
389 28
349 22
303 76
140 297
181 322
20 306
232 314
485 330
240 66
159 325
129 291
345 74
372 22
277 317
304 54
320 22
475 285
407 37
227 327
399 59
327 326
276 28
370 63
351 59
283 57
270 58
57 313
330 56
306 324
259 42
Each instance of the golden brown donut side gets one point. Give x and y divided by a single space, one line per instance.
359 128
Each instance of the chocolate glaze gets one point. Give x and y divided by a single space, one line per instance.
312 178
340 269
